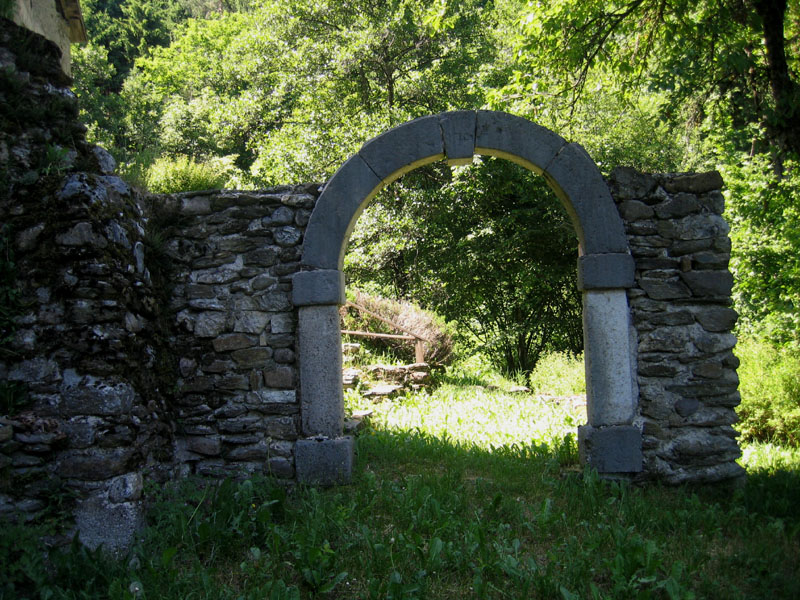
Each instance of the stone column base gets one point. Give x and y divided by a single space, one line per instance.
323 461
612 449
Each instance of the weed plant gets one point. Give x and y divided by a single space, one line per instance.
560 374
171 174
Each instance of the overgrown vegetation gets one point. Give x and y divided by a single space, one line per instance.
183 174
559 373
770 388
469 492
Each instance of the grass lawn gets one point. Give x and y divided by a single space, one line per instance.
466 492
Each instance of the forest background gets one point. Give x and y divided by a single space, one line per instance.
196 94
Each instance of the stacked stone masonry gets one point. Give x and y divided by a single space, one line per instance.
681 311
232 256
84 420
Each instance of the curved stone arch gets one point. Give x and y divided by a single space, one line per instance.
610 442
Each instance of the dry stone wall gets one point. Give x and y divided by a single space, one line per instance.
83 419
231 256
682 314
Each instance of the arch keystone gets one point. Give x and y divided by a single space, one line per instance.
458 133
516 139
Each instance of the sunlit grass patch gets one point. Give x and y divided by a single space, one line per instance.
769 457
475 415
474 405
559 374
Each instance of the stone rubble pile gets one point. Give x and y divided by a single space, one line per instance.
394 378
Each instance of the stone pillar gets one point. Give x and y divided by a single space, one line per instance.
325 456
319 350
606 334
610 442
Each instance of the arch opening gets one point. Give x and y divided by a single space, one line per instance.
611 441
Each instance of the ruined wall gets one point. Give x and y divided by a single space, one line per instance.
60 22
681 310
232 255
81 366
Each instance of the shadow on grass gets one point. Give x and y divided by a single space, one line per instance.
430 517
771 493
774 493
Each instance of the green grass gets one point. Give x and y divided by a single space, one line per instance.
476 411
560 374
470 492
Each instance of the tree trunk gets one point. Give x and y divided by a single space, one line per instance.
785 92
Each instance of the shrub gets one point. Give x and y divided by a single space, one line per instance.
560 374
184 174
770 388
405 314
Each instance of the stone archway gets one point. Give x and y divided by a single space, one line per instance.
610 442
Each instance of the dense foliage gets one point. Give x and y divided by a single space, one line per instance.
770 387
190 93
470 243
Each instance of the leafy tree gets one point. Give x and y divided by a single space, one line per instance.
490 249
127 29
765 229
738 53
293 88
101 110
209 92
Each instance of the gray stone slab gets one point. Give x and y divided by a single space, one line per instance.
319 346
716 318
516 139
709 283
615 449
458 132
574 178
404 148
608 358
695 183
112 526
324 286
324 461
605 271
336 211
631 184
